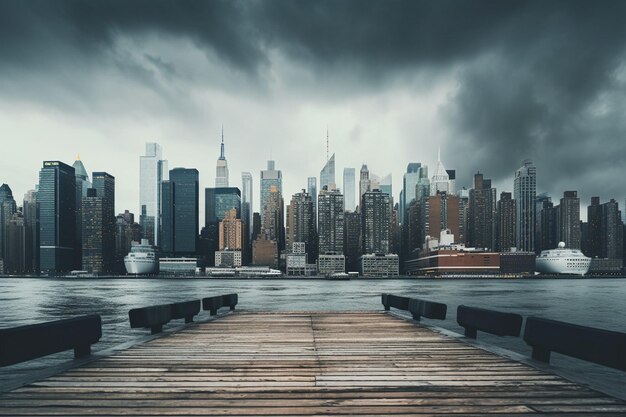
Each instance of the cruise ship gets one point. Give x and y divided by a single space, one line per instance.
142 259
562 261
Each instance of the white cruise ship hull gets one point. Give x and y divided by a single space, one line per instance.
138 266
562 265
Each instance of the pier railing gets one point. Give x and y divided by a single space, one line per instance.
23 343
599 346
155 317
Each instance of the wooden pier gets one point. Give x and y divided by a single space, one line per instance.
294 363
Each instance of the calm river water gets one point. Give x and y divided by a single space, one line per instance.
592 302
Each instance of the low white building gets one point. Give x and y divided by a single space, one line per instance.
331 264
178 266
380 265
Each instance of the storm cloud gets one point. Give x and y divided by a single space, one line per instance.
491 82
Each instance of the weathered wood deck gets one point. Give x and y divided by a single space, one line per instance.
305 364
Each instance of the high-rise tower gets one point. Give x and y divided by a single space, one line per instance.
221 170
152 172
524 193
349 190
270 177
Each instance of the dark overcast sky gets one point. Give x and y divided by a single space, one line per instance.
490 82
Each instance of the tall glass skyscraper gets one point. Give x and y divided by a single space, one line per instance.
7 208
152 171
180 207
525 192
57 217
218 201
104 184
327 174
349 190
270 177
247 208
330 221
409 184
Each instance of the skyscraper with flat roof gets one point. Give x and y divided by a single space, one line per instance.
375 222
104 184
482 214
180 212
569 220
57 217
152 171
247 201
505 236
525 193
330 221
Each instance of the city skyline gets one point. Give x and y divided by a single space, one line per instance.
490 95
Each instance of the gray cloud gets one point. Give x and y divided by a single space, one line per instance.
535 79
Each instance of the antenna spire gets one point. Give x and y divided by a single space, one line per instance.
222 145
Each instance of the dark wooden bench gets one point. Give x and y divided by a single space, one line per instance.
395 301
23 343
153 317
429 309
185 310
494 322
212 304
603 347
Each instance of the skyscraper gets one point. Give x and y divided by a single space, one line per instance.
218 201
82 184
301 223
57 217
349 190
506 223
352 239
525 192
569 220
312 191
104 184
7 208
273 227
180 205
247 208
152 171
14 261
330 221
327 174
31 225
440 212
441 181
375 221
611 231
482 214
270 177
221 170
409 184
539 200
364 182
126 232
549 225
593 247
93 231
231 232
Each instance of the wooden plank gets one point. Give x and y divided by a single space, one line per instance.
305 364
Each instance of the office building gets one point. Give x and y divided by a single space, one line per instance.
331 263
127 231
482 214
375 221
440 212
379 265
549 219
93 232
31 225
506 223
180 206
7 208
539 203
409 187
82 184
228 258
15 233
152 171
525 193
569 220
104 184
57 217
349 190
330 218
271 177
247 201
231 232
301 224
441 182
352 240
273 227
312 191
219 201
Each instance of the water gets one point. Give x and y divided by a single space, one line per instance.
591 302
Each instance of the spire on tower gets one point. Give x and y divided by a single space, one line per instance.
222 145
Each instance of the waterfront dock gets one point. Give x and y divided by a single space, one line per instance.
305 363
